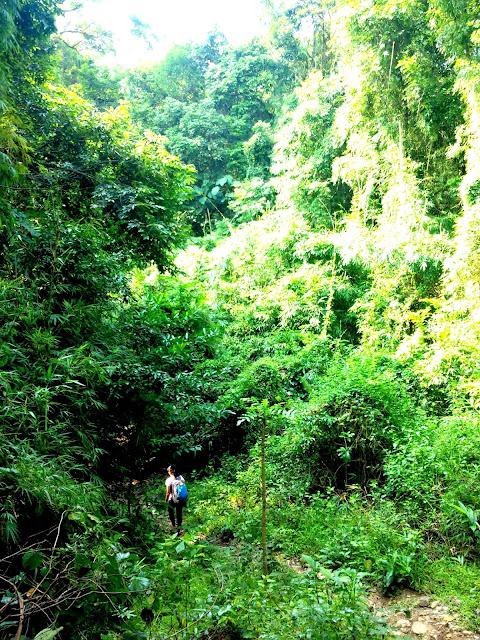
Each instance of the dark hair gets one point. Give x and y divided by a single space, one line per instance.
171 468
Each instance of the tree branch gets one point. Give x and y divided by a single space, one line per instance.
21 608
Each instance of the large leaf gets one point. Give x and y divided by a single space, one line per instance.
310 561
47 634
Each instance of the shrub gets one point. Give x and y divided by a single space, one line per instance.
262 379
436 470
358 412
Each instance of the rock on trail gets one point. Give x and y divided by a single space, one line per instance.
412 615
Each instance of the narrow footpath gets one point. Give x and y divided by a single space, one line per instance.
413 615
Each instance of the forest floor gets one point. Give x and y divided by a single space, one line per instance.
413 615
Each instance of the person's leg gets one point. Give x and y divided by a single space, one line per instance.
171 515
179 514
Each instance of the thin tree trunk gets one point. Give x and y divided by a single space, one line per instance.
328 310
264 502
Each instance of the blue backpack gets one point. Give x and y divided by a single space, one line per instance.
179 491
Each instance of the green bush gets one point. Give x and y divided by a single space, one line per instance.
435 472
357 413
262 379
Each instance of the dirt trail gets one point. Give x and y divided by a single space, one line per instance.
413 615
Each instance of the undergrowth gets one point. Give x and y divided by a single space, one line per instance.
210 582
370 535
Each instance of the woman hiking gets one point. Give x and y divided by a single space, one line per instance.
175 505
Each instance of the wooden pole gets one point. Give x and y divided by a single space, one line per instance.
264 500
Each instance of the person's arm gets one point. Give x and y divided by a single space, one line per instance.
169 490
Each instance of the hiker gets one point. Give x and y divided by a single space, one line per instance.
174 506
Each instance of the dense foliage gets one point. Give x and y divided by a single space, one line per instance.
288 306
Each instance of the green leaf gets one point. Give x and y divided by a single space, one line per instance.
224 180
77 516
8 470
310 561
139 583
180 547
325 572
32 560
94 518
47 634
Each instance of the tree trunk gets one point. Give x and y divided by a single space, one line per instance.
264 502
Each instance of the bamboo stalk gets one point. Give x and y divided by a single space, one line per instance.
391 63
